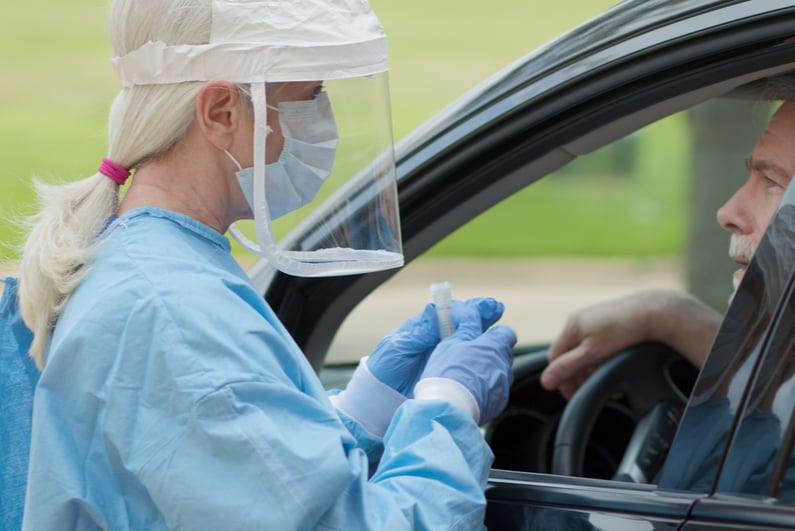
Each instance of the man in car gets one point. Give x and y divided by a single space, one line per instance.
594 334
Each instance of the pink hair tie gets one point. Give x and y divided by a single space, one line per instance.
116 172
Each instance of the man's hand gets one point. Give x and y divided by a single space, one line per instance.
596 333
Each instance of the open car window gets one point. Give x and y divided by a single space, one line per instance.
736 434
627 195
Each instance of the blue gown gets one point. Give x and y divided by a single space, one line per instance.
173 398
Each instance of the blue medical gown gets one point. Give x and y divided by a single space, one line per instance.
173 398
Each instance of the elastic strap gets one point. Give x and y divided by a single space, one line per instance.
116 172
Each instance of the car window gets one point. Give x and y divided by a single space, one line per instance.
511 254
741 405
611 222
764 416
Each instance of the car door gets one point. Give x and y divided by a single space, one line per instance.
525 501
731 464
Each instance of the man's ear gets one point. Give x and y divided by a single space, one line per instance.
218 112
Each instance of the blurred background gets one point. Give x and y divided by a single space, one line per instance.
57 84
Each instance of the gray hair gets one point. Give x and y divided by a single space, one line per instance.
774 88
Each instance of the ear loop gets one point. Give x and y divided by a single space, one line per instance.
233 159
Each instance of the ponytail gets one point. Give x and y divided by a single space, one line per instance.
57 249
145 122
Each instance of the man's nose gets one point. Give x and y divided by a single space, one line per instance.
734 214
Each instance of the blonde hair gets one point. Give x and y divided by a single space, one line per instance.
144 122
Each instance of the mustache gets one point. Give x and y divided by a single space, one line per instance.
741 247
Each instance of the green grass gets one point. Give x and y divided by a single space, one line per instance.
640 214
57 85
438 50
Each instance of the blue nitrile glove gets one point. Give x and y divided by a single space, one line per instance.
399 358
471 369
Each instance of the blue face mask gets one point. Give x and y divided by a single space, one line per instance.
310 145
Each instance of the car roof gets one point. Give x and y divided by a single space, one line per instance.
631 29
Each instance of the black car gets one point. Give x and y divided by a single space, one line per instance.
595 462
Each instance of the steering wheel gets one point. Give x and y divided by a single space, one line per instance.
642 375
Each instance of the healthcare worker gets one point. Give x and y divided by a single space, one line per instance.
171 397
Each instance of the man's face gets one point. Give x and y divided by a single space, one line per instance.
771 164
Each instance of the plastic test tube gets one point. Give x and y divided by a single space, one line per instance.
442 299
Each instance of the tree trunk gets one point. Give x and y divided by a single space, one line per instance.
724 132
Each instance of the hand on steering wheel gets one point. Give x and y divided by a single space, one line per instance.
642 374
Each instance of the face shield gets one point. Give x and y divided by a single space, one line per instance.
322 185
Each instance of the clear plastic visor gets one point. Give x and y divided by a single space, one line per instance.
324 199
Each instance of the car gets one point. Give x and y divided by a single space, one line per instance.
595 462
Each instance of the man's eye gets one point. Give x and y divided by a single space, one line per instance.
771 182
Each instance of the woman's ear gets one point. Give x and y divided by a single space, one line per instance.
218 112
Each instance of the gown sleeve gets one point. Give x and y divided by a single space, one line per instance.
264 456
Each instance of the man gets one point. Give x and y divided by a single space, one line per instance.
592 335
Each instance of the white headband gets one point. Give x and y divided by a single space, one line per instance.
267 40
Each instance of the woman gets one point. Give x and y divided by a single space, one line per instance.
171 396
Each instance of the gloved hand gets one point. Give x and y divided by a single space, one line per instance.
400 356
479 364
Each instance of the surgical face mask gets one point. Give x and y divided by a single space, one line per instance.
310 144
343 235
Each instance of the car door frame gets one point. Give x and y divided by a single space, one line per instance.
768 287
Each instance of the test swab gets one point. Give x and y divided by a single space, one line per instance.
442 299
